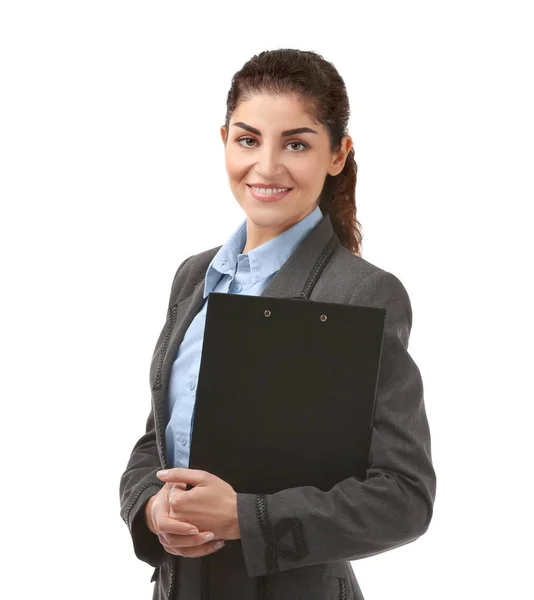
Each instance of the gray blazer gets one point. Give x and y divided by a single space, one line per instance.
297 543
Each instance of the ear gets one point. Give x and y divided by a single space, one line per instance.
223 134
339 157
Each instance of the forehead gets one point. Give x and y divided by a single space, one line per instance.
274 111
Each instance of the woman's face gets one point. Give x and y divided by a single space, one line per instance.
267 156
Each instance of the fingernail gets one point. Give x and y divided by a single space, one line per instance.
209 536
193 531
219 545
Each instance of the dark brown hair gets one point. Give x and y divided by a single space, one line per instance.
322 92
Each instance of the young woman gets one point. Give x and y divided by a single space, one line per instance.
291 167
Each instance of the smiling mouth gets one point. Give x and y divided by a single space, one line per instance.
268 196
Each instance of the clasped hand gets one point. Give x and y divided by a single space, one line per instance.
209 510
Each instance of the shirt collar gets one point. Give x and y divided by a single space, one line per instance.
265 259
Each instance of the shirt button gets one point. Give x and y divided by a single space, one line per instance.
183 440
192 385
236 287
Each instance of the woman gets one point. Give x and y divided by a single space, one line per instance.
285 133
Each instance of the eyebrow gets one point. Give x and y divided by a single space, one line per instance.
284 133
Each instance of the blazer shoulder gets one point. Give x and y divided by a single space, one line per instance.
358 270
364 273
372 285
359 267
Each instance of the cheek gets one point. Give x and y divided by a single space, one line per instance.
237 165
306 174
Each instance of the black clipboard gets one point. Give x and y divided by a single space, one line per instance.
286 391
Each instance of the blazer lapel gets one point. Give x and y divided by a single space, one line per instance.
295 276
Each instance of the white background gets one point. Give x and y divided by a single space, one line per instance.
112 172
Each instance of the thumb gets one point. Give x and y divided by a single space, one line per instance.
180 474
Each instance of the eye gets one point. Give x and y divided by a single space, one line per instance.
299 143
244 139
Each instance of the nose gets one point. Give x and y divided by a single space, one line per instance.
269 164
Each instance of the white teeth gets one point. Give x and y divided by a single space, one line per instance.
269 190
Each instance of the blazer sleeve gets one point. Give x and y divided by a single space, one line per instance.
139 482
357 518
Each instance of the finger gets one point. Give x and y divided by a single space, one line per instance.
171 550
174 494
187 541
180 484
160 514
199 551
167 489
166 525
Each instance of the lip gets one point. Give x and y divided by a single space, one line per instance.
267 197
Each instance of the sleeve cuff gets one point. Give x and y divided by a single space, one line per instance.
147 546
251 534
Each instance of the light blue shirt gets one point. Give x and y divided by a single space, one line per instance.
231 272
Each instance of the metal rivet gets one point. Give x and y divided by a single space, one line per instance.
267 313
323 317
